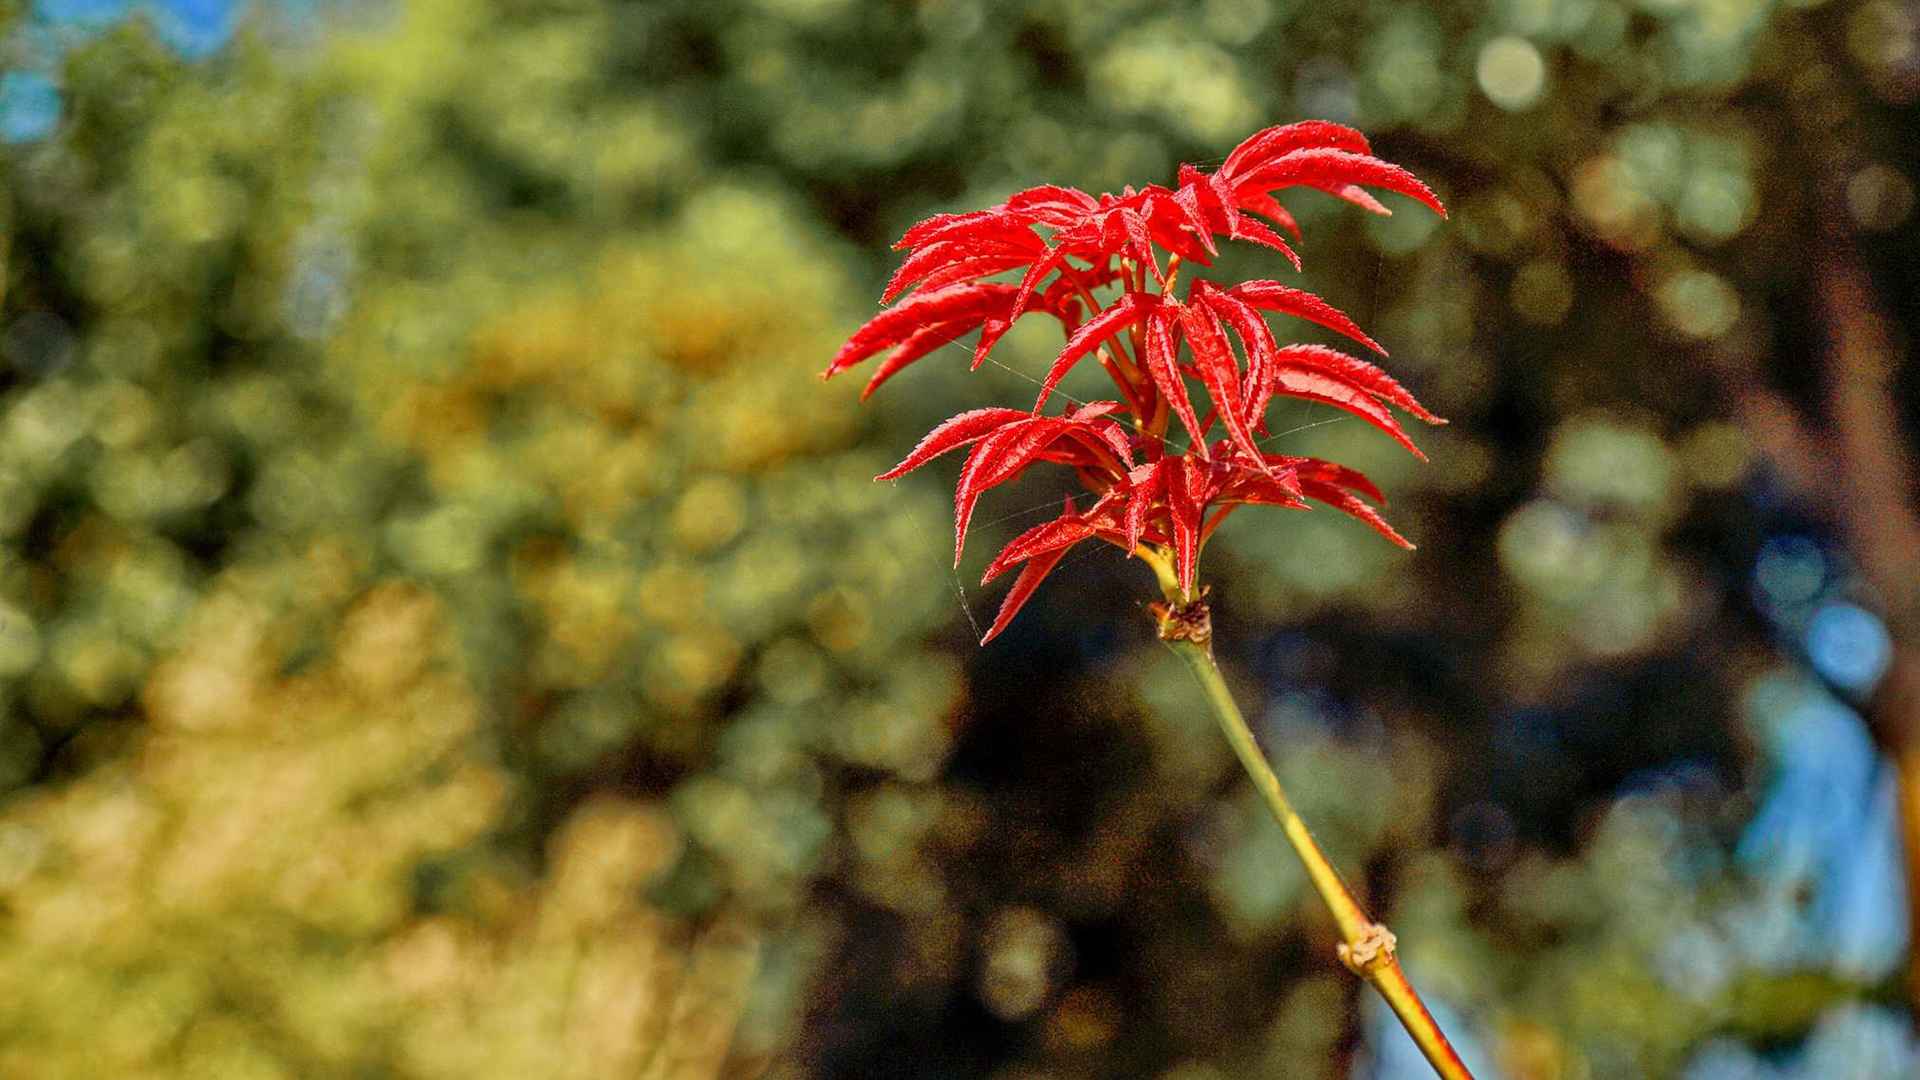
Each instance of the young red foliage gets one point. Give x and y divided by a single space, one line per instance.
1058 249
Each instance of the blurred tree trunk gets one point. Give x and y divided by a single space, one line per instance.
1856 468
1875 500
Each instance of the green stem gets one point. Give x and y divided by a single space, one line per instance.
1368 948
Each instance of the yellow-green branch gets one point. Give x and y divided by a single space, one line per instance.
1367 948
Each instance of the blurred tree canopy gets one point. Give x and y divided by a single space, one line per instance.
446 630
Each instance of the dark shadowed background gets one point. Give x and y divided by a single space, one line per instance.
447 629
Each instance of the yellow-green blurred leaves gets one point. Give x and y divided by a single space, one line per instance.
427 454
1192 84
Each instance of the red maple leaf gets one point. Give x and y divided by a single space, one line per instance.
1066 248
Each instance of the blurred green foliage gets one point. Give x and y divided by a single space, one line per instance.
315 322
446 630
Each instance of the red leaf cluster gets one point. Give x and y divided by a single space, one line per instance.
1068 247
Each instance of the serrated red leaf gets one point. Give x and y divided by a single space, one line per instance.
1163 369
1246 228
1259 202
971 270
971 304
986 457
997 459
1361 198
1092 410
1267 491
1088 423
1051 261
1219 514
1346 502
1218 372
924 341
1332 170
1208 212
926 230
1185 508
1263 146
953 433
991 332
996 224
1339 475
942 254
1273 296
1115 438
1144 486
1314 386
1357 373
1030 578
1084 340
1057 207
1176 225
1064 531
1140 242
1256 339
